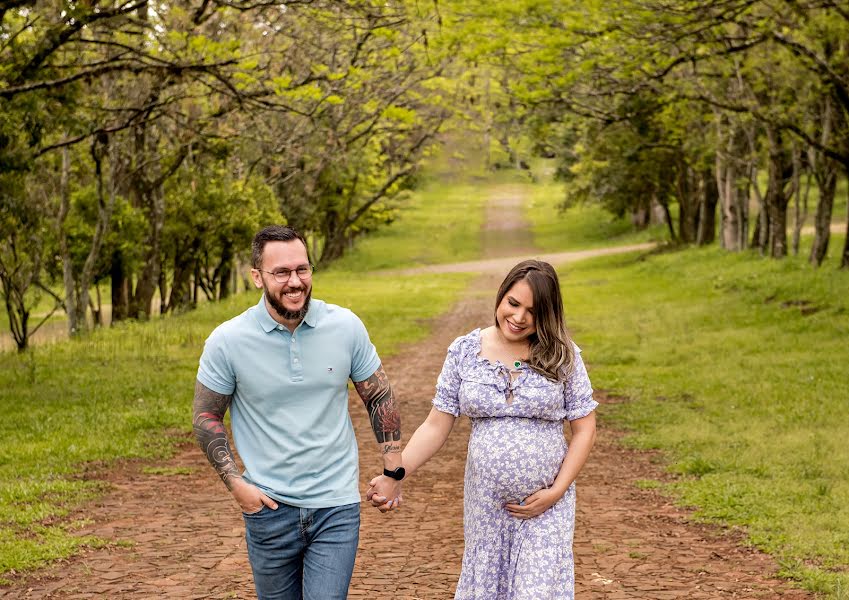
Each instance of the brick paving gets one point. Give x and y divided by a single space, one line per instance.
181 536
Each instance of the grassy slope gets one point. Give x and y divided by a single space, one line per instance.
579 227
126 392
449 215
744 392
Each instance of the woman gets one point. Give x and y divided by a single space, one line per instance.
517 381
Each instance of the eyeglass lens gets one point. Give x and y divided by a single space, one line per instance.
283 275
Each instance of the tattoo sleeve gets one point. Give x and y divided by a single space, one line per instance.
380 403
208 425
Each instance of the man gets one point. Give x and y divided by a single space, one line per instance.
282 368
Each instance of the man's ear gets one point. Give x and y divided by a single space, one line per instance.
257 277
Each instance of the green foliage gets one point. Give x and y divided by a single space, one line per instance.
211 217
735 369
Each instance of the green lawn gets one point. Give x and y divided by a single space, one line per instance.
579 227
735 367
438 224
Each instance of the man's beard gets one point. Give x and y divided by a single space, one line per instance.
283 312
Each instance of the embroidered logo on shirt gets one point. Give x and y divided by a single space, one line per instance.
329 369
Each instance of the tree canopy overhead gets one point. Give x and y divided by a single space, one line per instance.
141 142
311 112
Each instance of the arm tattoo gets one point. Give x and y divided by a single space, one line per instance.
380 402
208 425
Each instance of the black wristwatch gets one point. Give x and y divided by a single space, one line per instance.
397 474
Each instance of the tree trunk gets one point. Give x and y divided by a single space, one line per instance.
688 203
776 194
667 217
181 288
844 259
16 310
225 271
162 286
335 242
120 288
640 217
149 277
799 217
707 209
761 234
99 147
64 249
731 187
185 265
826 176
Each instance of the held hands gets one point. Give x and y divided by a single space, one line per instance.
250 498
384 493
534 505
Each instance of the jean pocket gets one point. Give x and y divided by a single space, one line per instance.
256 512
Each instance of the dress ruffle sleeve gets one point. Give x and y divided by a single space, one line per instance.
578 391
448 384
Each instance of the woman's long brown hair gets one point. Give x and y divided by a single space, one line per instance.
551 351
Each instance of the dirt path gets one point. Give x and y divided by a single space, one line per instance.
180 536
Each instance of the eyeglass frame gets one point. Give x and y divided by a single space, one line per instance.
276 275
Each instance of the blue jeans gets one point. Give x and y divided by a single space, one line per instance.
303 553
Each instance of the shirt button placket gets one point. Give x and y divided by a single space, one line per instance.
297 370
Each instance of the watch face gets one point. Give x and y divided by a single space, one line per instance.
397 473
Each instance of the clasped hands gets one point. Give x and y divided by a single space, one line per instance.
384 493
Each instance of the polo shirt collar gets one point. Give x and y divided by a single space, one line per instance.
311 318
266 321
268 324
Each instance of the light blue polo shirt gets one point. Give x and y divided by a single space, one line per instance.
289 412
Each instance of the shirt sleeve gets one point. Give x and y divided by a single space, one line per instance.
364 358
578 391
447 398
215 370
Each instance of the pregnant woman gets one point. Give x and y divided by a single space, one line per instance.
517 381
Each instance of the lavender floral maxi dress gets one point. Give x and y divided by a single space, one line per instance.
516 447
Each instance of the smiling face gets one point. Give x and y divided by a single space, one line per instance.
514 315
287 302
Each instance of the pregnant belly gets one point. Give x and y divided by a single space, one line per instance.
510 458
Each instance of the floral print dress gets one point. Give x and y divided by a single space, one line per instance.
516 448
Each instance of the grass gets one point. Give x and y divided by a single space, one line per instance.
735 366
439 224
579 227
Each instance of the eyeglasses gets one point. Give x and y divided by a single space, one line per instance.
283 275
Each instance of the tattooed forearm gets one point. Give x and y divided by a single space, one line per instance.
208 425
380 403
391 447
